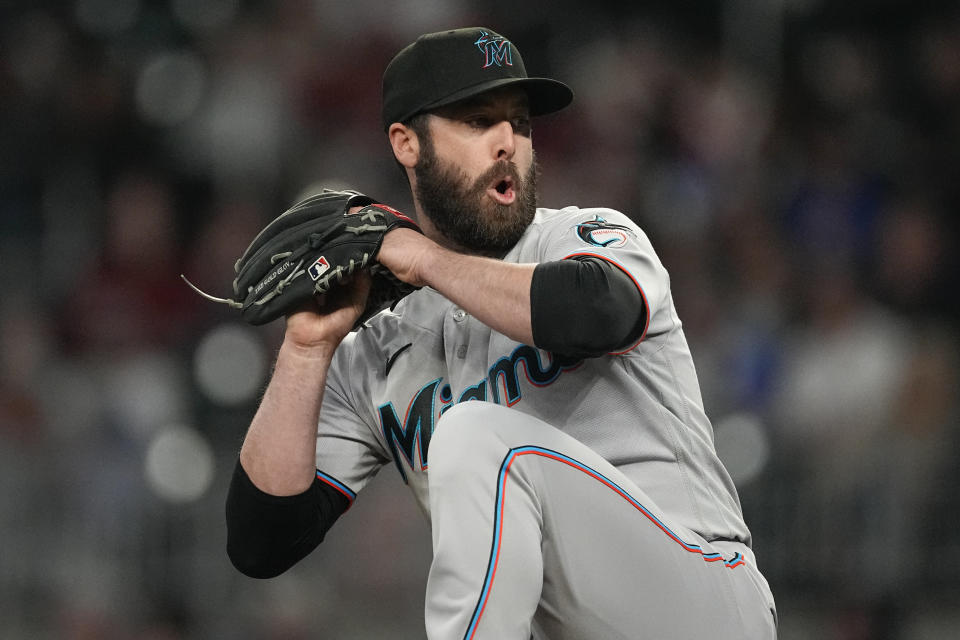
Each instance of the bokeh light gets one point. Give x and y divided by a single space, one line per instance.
145 392
230 364
170 87
743 445
179 465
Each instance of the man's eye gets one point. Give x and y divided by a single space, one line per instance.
479 122
521 125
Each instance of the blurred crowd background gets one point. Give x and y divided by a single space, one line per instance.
795 162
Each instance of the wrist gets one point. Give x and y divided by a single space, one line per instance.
436 264
319 351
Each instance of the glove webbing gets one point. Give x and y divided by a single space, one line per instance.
341 273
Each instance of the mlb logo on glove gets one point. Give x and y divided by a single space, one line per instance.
318 268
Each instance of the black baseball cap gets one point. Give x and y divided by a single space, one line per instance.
443 67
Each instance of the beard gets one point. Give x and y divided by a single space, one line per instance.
463 212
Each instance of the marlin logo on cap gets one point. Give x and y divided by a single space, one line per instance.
496 50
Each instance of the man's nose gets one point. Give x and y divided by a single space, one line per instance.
504 140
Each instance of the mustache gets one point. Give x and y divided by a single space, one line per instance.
499 169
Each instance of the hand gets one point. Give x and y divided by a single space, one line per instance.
328 318
404 252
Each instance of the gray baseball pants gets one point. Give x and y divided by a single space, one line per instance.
536 535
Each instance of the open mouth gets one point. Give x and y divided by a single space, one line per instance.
502 191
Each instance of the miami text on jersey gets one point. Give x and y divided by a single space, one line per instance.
410 439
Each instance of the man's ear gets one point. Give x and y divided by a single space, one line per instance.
406 145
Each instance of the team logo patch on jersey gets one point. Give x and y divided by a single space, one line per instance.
601 233
318 268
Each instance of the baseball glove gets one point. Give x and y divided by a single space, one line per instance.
311 248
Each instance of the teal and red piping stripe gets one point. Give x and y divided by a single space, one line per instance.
337 485
508 460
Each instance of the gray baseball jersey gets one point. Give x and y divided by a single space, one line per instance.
596 501
639 408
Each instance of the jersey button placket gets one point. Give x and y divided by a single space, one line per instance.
459 317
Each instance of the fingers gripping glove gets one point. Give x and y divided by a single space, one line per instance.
311 248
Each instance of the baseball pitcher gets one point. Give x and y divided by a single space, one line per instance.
522 368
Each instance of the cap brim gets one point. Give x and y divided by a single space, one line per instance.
544 95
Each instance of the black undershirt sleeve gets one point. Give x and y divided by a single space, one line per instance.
266 534
584 307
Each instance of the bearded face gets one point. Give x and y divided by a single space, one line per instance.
463 211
